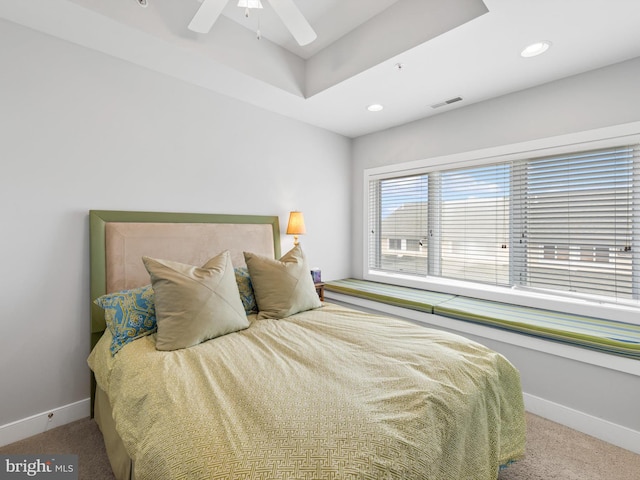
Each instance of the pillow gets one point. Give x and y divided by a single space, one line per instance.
246 290
282 287
129 314
195 304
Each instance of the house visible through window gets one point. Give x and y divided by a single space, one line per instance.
563 223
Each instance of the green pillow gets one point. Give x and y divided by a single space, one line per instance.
282 287
194 304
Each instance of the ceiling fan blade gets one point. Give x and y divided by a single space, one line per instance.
207 15
294 21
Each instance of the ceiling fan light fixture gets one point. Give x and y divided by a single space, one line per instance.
249 4
376 107
287 10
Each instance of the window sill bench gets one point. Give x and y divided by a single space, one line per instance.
607 336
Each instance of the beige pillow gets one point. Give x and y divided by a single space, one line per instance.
195 304
282 287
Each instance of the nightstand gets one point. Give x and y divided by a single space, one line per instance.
320 290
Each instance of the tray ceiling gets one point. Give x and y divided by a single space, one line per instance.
404 54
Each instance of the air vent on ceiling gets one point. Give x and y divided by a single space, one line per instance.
447 102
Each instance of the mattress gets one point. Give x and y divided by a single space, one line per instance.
328 393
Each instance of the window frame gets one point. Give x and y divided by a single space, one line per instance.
607 137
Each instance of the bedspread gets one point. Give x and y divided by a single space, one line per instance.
327 394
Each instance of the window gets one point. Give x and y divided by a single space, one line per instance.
395 244
474 224
564 223
582 205
399 217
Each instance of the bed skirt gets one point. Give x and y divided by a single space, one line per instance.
121 464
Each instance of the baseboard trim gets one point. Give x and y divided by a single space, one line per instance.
605 430
41 422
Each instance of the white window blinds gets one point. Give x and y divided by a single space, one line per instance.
398 221
576 226
566 223
475 224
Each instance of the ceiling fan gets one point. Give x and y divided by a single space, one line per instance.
287 10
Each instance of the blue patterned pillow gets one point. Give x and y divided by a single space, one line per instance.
246 290
129 314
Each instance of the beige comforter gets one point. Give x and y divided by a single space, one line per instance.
326 394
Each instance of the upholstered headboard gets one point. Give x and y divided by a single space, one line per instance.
118 240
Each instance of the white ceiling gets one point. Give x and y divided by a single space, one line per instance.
448 48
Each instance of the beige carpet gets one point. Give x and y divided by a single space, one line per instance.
554 452
559 453
82 438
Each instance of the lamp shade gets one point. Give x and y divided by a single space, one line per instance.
296 224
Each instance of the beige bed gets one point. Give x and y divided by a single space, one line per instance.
325 393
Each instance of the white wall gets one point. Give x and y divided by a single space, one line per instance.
81 130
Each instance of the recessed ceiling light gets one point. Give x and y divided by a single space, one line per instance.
535 49
376 107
